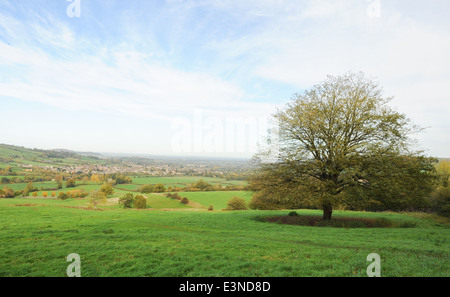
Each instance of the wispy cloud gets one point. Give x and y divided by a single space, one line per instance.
162 60
121 79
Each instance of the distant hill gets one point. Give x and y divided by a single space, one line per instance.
14 156
79 153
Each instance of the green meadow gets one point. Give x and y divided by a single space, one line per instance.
38 234
38 185
218 199
173 239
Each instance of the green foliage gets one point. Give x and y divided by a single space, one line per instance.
236 203
118 178
159 188
201 185
175 196
278 187
63 196
147 189
127 201
98 197
77 193
28 189
107 189
70 183
140 202
341 145
393 183
440 201
443 173
7 193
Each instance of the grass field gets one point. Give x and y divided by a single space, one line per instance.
161 202
217 199
120 190
38 234
39 185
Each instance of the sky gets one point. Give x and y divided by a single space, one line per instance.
202 78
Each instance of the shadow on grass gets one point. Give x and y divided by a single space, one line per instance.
339 222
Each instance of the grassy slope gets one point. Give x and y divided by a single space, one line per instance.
25 156
217 199
37 239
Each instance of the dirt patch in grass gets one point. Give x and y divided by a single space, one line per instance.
340 222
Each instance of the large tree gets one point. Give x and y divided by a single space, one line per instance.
340 143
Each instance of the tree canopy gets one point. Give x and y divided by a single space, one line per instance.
340 143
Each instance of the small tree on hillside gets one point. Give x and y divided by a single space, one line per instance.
63 196
127 201
236 203
140 202
70 183
159 188
107 189
28 189
7 192
147 189
97 197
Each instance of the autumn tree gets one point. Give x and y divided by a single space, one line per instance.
29 188
127 200
70 183
443 173
440 197
159 188
59 179
140 202
339 143
95 178
7 192
203 186
146 189
107 189
63 196
236 203
97 197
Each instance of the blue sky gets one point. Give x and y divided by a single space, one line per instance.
203 77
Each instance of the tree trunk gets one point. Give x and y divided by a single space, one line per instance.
327 212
